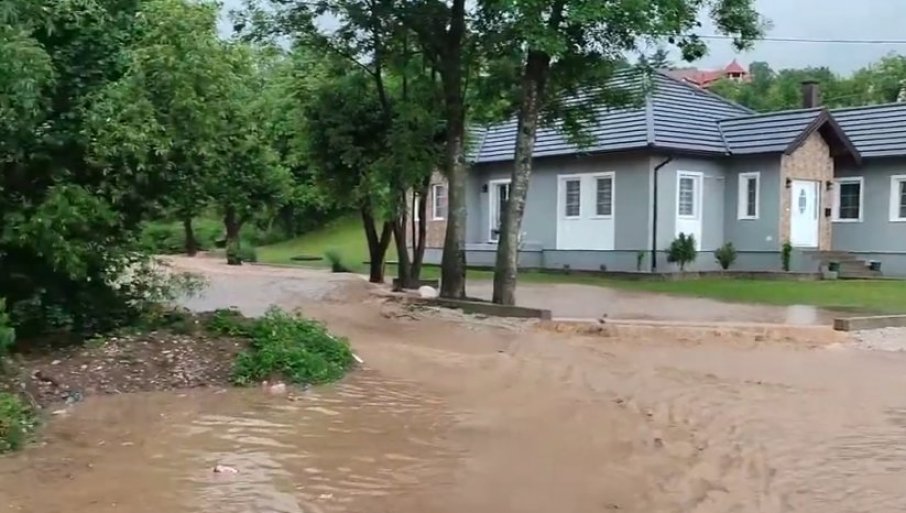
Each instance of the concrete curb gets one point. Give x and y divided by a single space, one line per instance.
812 335
482 307
872 322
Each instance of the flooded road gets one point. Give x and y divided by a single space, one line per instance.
452 415
367 444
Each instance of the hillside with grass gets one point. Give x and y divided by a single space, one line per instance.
344 236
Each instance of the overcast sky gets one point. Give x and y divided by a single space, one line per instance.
822 19
814 19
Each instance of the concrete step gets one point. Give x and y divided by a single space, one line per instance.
860 275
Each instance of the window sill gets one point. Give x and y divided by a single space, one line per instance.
571 218
850 220
602 217
898 220
747 218
438 219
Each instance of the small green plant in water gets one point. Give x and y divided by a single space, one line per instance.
335 258
17 422
236 253
292 348
639 260
786 255
725 255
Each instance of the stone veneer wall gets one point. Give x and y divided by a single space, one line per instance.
811 161
436 230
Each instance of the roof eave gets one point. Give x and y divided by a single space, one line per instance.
825 118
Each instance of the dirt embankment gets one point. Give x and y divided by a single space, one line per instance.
155 361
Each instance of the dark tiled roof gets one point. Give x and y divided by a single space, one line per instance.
675 116
766 133
685 117
876 131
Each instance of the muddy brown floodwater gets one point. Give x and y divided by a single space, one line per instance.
455 415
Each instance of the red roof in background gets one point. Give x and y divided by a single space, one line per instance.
734 67
704 78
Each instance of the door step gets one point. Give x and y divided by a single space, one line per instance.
851 266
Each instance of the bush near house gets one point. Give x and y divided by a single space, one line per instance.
785 255
682 251
725 255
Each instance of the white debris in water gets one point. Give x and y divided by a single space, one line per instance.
427 292
359 360
885 339
224 469
274 388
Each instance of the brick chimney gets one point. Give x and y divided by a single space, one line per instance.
811 94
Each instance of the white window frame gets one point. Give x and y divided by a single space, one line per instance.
492 192
434 187
613 195
895 198
742 196
696 205
561 203
845 180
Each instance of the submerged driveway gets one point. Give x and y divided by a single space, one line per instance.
567 300
252 288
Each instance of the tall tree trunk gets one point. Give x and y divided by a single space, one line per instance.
453 264
191 241
419 241
404 269
377 245
233 226
533 81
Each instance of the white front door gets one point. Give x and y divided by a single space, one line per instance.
499 195
804 208
689 205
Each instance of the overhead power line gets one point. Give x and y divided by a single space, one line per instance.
815 40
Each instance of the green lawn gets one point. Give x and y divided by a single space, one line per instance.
880 296
346 236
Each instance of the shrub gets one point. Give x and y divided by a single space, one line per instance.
17 421
786 254
7 334
228 322
169 238
639 260
725 255
336 260
294 349
682 251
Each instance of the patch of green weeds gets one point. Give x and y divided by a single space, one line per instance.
17 422
292 348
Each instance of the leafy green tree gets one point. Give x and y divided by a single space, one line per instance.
67 223
879 82
343 130
165 114
251 178
566 51
397 154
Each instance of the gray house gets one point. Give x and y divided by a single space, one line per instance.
832 183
